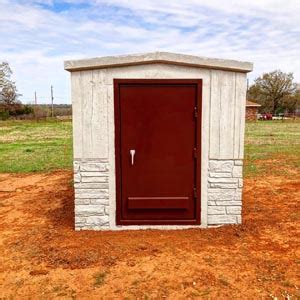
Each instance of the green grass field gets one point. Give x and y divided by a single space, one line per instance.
30 146
272 147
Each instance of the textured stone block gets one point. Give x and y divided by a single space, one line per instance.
106 210
86 185
94 179
104 226
89 210
97 220
80 220
234 210
93 174
211 203
77 177
76 166
220 166
94 167
241 183
224 185
237 171
216 210
92 191
82 201
103 201
99 195
217 175
238 195
221 219
229 203
223 180
219 194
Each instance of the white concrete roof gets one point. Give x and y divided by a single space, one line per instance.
157 57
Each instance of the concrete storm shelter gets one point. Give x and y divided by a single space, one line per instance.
158 141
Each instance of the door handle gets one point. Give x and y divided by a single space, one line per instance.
132 153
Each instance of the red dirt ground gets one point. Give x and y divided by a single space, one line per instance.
43 257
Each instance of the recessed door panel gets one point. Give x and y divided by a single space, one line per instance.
157 151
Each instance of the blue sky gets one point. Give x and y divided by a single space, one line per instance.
37 36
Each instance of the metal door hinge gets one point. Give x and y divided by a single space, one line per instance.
195 153
195 112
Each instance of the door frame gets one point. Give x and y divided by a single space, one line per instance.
198 134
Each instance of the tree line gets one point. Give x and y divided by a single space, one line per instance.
276 92
12 107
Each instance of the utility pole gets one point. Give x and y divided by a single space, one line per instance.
35 100
52 99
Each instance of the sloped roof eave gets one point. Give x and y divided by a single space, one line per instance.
157 57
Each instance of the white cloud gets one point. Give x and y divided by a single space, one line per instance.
36 38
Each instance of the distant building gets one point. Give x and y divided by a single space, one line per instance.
251 110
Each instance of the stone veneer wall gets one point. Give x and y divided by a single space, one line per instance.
91 194
225 192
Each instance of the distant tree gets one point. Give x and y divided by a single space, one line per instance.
10 96
292 102
8 91
5 73
275 91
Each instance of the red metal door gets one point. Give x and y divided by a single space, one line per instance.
158 151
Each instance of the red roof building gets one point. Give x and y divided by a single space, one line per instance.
251 110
